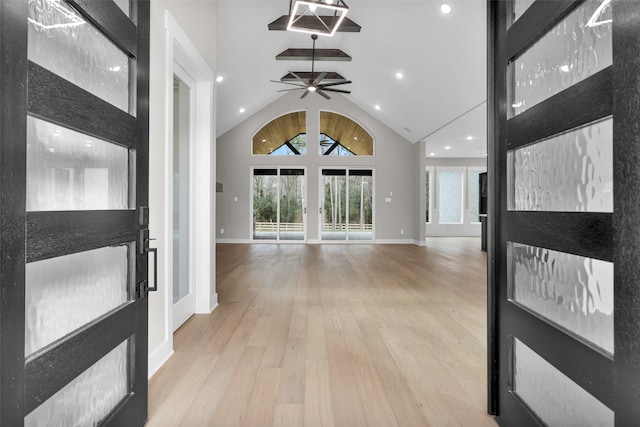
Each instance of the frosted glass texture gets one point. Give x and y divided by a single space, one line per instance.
570 172
63 42
65 293
90 397
67 170
181 175
575 49
474 196
571 291
552 396
450 196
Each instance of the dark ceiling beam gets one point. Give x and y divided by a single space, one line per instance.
306 55
330 77
347 25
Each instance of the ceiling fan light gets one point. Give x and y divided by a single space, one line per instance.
317 16
311 88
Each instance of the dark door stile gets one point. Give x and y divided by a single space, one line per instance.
28 89
612 237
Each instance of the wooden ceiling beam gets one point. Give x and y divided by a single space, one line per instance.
347 25
306 55
330 77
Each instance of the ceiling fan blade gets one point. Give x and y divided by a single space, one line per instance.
321 93
342 82
287 90
336 90
319 78
288 83
306 92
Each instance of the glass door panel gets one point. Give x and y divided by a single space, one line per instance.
360 205
90 397
62 41
69 170
265 204
334 206
279 204
292 204
183 295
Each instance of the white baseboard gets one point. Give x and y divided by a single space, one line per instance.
241 241
420 242
159 357
214 302
313 241
394 241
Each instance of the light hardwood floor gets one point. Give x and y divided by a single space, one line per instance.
334 335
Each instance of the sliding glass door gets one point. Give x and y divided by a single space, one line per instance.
346 204
279 204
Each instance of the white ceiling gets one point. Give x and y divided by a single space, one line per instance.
440 100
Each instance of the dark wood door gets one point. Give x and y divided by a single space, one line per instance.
563 95
73 197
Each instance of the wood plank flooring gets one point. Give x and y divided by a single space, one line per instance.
334 335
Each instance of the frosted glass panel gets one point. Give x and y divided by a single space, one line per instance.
552 396
181 174
63 42
572 172
450 196
67 170
65 293
572 51
571 291
90 397
474 196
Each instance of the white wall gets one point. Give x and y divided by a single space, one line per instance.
434 228
197 18
393 163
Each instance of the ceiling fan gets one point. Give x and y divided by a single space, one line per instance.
314 84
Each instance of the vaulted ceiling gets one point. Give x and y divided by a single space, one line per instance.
441 97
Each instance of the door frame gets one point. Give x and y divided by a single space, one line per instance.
179 48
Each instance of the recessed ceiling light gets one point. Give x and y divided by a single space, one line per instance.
564 68
432 154
377 107
264 140
469 138
445 8
219 79
448 147
116 69
242 110
399 75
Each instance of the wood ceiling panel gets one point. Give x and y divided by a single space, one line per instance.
279 131
347 132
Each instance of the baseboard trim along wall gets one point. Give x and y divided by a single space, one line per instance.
159 357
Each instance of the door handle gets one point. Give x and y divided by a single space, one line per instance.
144 249
321 209
143 287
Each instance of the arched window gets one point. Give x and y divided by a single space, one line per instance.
341 136
284 136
